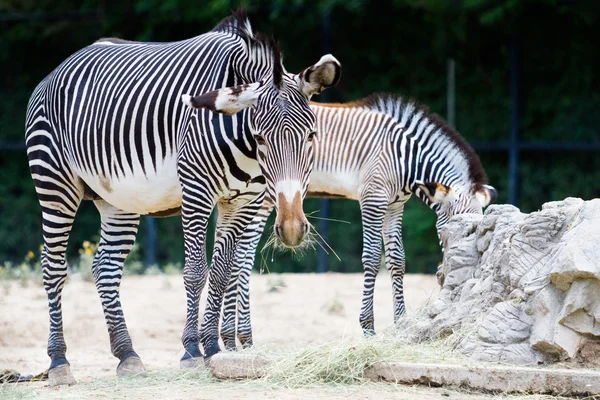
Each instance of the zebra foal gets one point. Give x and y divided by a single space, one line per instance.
379 151
110 125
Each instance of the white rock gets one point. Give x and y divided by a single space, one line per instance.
522 288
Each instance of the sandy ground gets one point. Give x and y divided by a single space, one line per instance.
298 314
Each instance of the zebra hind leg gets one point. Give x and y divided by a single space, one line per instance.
117 236
60 192
56 226
59 206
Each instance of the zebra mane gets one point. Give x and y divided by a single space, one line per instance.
239 24
272 45
402 111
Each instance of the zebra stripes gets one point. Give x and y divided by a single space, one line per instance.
379 151
109 125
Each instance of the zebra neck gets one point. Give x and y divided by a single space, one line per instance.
435 159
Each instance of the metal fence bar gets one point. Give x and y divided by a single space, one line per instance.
451 93
322 260
151 242
541 145
51 16
513 154
12 146
538 146
561 146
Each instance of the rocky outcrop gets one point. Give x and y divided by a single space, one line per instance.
520 288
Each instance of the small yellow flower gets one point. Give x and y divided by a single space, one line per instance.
30 255
89 251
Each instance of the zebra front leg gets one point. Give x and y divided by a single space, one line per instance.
252 235
373 210
56 226
230 226
195 222
117 236
237 297
394 255
244 326
230 300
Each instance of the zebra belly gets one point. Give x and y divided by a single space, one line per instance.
335 184
138 193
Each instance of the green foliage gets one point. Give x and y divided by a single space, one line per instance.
399 46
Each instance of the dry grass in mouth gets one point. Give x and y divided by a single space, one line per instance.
274 244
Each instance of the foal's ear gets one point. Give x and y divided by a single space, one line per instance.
229 100
486 195
318 77
436 192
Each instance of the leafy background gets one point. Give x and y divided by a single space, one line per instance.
399 46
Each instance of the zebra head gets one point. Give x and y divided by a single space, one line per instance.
447 201
283 126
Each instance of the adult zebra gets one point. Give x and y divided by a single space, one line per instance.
109 125
379 151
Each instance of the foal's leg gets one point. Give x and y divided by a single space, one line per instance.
394 255
117 236
373 207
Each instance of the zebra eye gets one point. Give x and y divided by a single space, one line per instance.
311 136
259 140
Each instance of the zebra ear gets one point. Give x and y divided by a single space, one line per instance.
436 192
486 195
318 77
229 100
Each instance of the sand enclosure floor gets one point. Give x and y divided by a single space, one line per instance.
307 309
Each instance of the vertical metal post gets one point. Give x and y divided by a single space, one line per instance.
451 93
513 158
150 252
322 261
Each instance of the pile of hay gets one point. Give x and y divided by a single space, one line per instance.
346 361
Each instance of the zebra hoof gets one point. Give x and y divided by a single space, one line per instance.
191 363
130 367
246 342
61 375
211 349
230 346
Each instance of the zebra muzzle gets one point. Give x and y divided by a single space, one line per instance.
291 225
